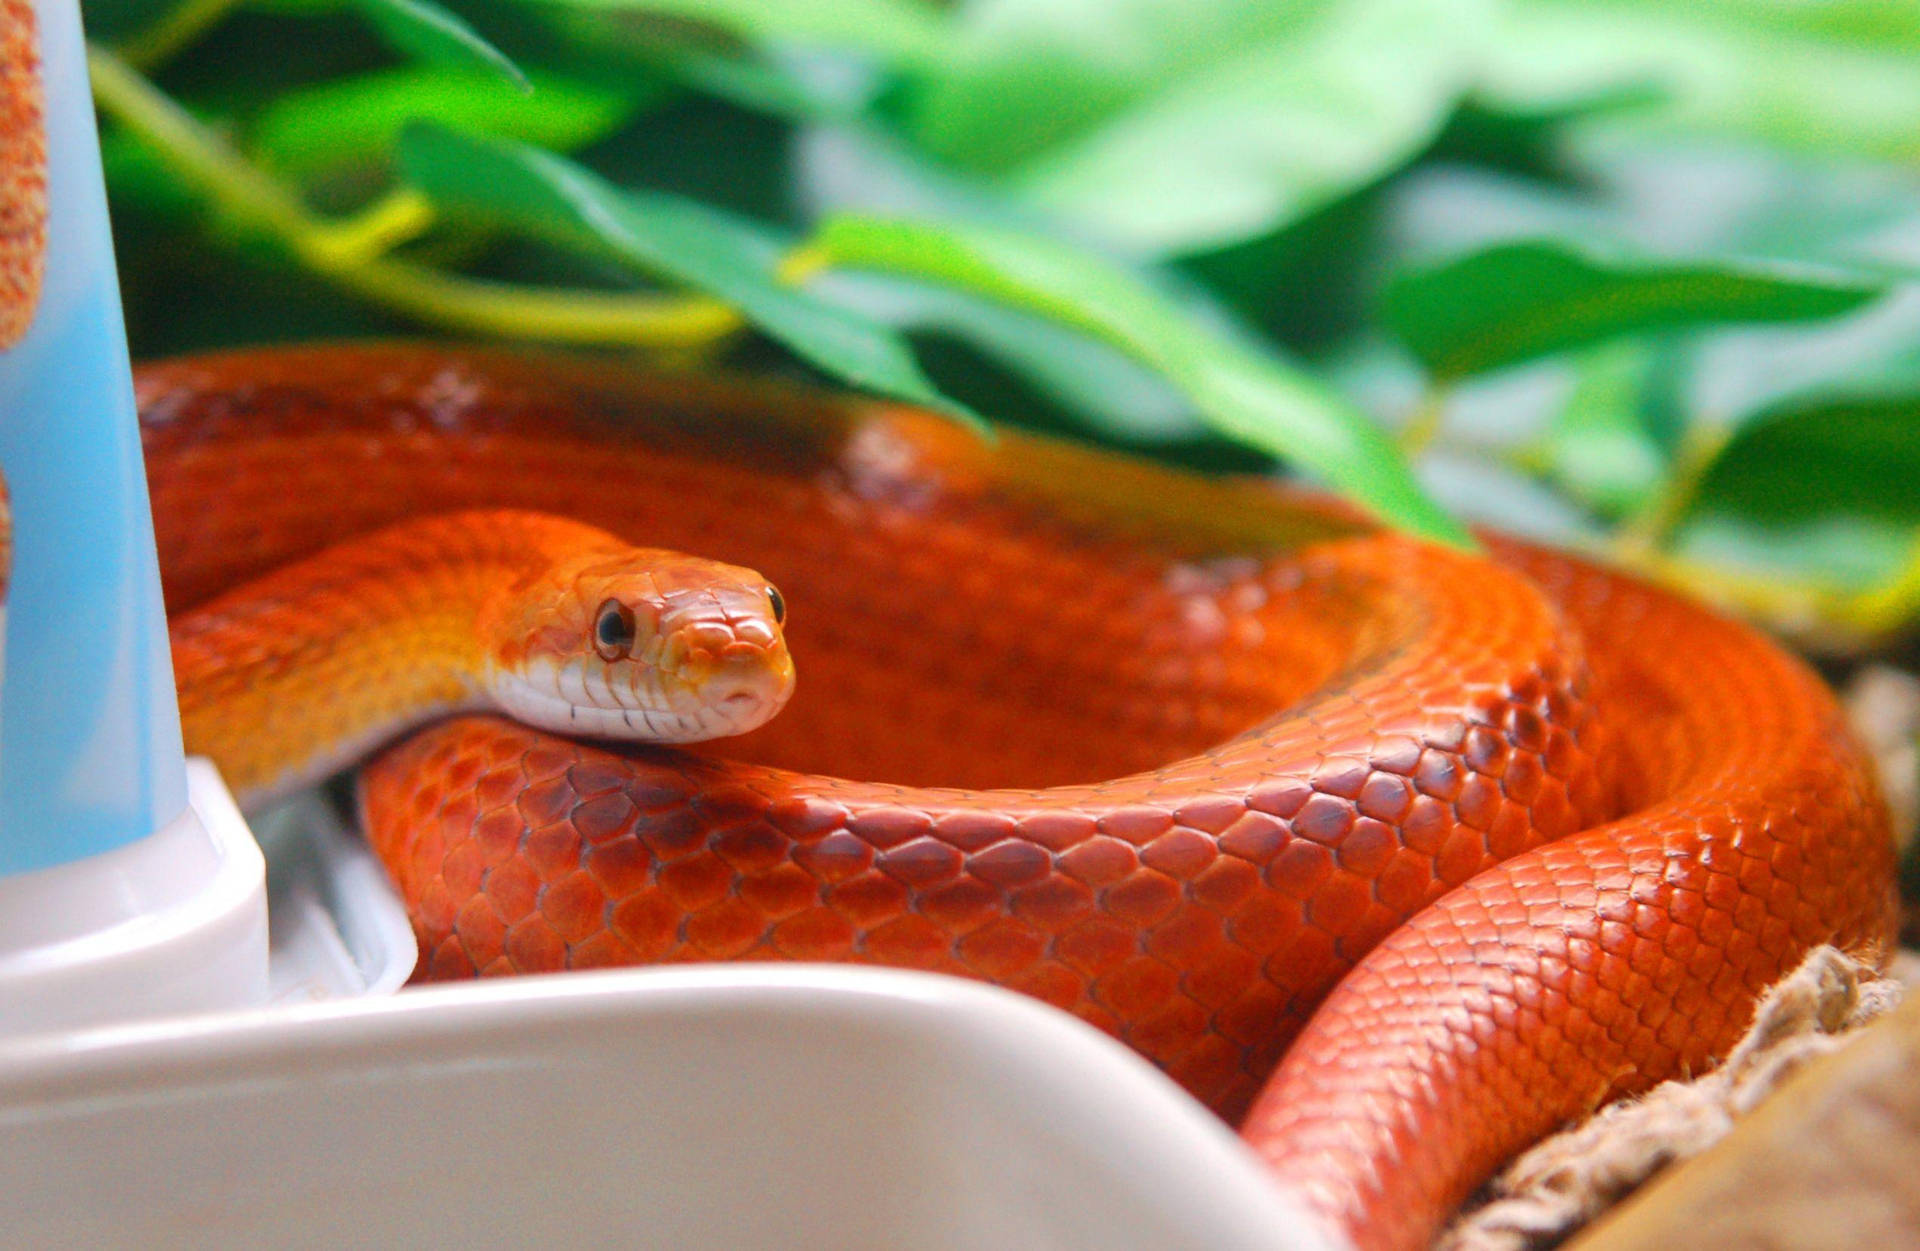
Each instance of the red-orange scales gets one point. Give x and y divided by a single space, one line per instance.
1175 755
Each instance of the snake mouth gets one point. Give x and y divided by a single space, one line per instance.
537 699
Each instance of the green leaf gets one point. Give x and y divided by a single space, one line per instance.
1827 77
1527 138
1515 301
1264 137
359 119
1854 454
423 29
1240 389
1095 386
904 32
1812 499
1024 76
677 239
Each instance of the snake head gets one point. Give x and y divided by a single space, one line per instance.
641 644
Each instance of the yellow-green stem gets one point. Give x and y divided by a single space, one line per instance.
173 33
1424 425
1648 531
349 253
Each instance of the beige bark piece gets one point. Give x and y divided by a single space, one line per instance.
1570 1179
23 171
1832 1161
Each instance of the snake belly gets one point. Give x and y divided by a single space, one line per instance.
1178 755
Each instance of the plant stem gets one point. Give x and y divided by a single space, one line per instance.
172 34
394 219
1648 531
194 151
1424 425
349 253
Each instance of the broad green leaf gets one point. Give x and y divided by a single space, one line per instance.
425 30
1024 76
1261 138
358 119
1514 301
1808 521
1824 77
1822 455
1812 502
596 42
1526 137
669 237
905 32
1241 390
1099 388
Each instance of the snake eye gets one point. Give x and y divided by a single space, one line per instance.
613 631
779 605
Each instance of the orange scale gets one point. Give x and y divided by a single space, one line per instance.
553 851
1168 1031
622 866
1338 906
814 934
481 933
605 817
1142 898
1053 903
1095 945
512 887
534 946
498 834
446 962
869 899
909 942
695 883
601 950
575 906
1002 949
780 891
649 923
1300 869
1136 987
1224 884
1180 853
725 929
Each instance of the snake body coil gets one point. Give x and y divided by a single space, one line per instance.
1176 755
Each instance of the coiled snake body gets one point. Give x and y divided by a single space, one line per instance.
1176 755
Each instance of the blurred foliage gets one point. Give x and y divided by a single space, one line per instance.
1635 276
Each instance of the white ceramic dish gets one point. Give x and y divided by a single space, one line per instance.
720 1107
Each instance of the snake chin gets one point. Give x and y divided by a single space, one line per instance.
538 699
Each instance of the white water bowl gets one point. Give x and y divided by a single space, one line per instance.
727 1107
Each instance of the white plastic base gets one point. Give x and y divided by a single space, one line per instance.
339 929
805 1108
174 923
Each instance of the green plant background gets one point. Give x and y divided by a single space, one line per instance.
1633 276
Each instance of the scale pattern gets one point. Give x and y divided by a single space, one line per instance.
1576 823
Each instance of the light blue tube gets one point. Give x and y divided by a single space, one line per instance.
90 755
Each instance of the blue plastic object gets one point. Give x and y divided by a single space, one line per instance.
90 755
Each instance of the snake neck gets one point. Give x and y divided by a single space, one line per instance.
292 677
